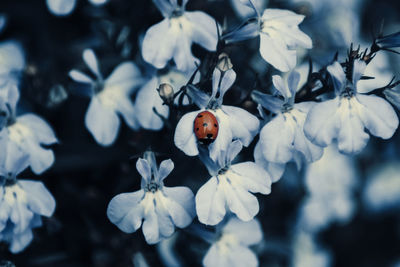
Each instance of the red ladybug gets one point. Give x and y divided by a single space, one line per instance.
206 127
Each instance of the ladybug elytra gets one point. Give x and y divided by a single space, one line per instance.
206 127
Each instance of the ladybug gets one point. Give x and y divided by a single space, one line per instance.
206 127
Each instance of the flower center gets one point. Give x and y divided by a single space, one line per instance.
152 187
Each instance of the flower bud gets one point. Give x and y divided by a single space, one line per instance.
166 93
224 62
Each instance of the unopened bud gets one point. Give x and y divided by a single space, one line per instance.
224 62
166 93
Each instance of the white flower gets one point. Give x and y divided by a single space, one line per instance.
172 38
234 122
230 187
382 189
232 248
61 7
347 115
160 208
109 98
148 98
25 135
22 202
330 183
279 36
282 139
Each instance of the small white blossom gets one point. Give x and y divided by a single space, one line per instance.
229 188
109 98
279 36
346 117
232 247
160 208
22 202
61 7
172 38
233 122
282 139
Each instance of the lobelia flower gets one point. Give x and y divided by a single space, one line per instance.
232 247
160 208
22 202
61 7
148 98
109 98
282 139
233 122
230 186
330 183
279 35
25 134
347 115
172 38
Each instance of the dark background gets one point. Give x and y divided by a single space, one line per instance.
86 176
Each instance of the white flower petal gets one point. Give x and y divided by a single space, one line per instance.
275 52
40 128
243 124
338 76
102 122
224 137
40 200
323 122
210 202
159 44
125 211
180 205
183 57
91 61
124 77
40 158
151 227
281 87
204 29
144 169
61 7
282 15
276 139
378 116
147 99
165 169
252 177
184 137
275 170
248 233
78 76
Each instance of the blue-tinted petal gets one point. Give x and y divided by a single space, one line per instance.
269 102
144 169
281 87
180 205
276 139
20 241
151 227
125 77
253 177
276 53
200 98
243 124
61 7
125 211
275 170
166 7
358 70
147 99
378 116
248 233
78 76
204 29
210 202
224 137
40 128
40 158
293 82
165 169
126 108
248 31
227 80
102 122
183 57
184 137
338 76
40 200
91 61
12 57
159 44
233 150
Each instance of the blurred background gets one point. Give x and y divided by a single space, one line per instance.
339 211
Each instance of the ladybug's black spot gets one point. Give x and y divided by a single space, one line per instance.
209 135
197 129
199 116
215 125
205 124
